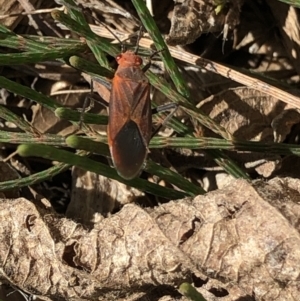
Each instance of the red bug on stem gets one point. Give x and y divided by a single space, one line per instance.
130 116
129 127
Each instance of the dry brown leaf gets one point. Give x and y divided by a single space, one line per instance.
11 7
45 121
249 114
58 258
283 123
245 113
288 19
191 18
246 236
94 196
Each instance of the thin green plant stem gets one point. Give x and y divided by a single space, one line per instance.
190 292
164 87
53 41
4 31
11 40
220 158
35 57
76 22
51 153
15 119
150 167
30 43
76 116
21 138
94 70
295 3
160 45
173 178
89 36
75 12
89 145
228 164
26 92
35 178
218 155
214 143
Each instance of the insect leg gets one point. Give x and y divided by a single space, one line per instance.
147 66
172 107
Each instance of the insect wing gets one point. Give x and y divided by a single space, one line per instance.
129 127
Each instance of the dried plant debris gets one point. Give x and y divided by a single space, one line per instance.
120 16
246 236
288 23
283 123
94 196
252 115
12 7
244 112
191 18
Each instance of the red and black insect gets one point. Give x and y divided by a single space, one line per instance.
130 117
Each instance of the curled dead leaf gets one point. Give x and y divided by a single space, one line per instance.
238 235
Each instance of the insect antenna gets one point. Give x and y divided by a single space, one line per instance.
122 44
85 12
136 50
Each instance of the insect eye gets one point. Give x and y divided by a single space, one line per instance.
138 61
